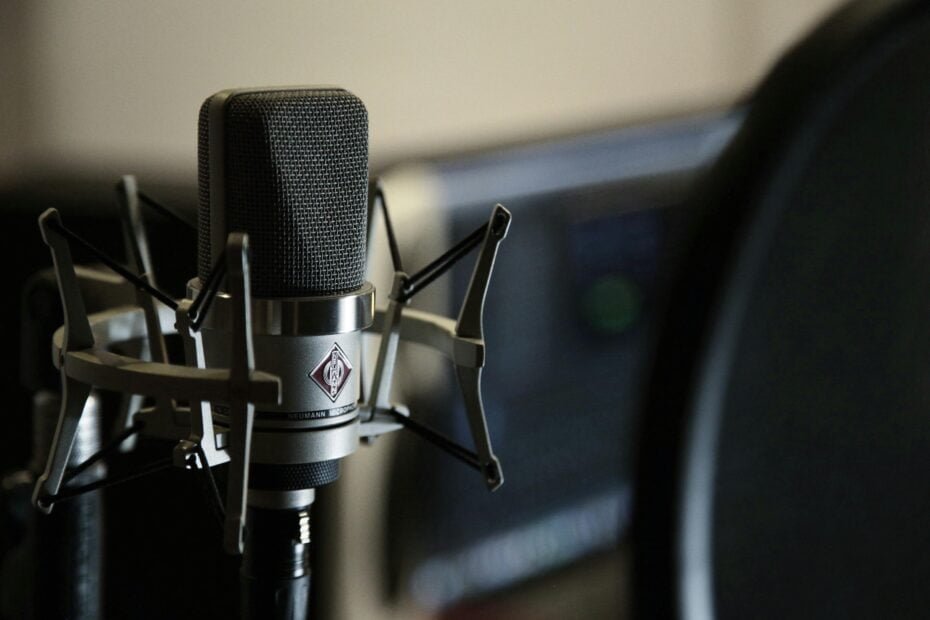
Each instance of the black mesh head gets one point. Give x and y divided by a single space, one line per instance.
290 168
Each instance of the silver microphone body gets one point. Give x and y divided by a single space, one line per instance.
289 168
314 345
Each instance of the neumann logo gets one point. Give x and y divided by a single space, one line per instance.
332 373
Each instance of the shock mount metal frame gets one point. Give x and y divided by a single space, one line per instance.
81 352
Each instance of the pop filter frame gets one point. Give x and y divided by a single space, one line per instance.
733 215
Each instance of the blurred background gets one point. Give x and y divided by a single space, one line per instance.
587 119
105 87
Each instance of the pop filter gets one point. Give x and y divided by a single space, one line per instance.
785 446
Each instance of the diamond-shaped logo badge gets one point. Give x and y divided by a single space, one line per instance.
332 373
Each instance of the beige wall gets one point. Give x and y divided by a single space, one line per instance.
111 86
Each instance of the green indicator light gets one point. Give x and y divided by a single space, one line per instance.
612 304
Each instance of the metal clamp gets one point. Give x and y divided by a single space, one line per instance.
241 408
470 326
462 341
76 336
79 350
202 442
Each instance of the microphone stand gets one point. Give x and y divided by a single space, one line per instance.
69 543
66 547
275 573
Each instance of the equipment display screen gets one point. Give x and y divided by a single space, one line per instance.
567 326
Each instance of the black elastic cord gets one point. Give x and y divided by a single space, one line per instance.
439 440
392 238
170 213
428 274
111 445
216 500
201 305
71 492
139 282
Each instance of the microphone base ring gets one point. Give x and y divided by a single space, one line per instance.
310 446
281 500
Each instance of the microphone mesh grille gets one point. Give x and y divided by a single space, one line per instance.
296 180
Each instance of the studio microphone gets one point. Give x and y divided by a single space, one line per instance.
289 167
271 328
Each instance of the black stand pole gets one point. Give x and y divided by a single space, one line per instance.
69 541
275 574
